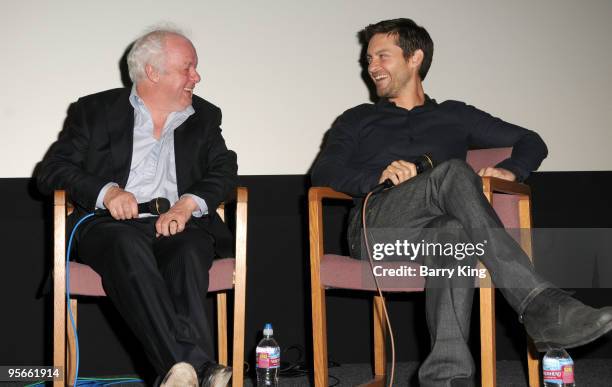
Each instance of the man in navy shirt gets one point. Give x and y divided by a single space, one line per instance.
372 143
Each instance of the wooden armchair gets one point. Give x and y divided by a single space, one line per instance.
225 274
510 200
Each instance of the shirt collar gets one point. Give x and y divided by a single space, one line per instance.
428 105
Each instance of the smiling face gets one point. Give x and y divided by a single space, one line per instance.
387 66
174 85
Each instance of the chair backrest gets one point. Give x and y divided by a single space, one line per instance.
482 158
506 206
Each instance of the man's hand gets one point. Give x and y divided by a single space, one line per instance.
398 172
173 221
121 204
501 173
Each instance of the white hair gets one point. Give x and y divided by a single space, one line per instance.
149 49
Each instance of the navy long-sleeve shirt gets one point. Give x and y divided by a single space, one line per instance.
364 140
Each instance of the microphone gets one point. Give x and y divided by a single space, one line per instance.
423 163
156 206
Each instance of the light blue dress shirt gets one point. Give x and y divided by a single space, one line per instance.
153 167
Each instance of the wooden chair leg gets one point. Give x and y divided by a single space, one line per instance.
533 357
59 336
59 285
222 328
240 287
239 320
380 336
71 342
319 336
533 364
487 334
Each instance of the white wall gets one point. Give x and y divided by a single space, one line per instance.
282 71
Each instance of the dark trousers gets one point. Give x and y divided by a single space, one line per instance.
158 284
450 198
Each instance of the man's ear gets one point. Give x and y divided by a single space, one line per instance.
416 58
152 73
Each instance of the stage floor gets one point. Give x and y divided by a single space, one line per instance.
589 373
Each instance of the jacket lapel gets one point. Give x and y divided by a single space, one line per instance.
185 145
121 134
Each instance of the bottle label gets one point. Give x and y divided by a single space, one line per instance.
558 371
267 357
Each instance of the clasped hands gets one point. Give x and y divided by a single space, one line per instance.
122 205
399 171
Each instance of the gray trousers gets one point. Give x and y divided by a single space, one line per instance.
450 198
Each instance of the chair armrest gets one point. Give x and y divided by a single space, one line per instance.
59 197
242 199
320 193
59 273
494 184
315 221
59 234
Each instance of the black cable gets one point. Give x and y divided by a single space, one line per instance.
296 368
387 184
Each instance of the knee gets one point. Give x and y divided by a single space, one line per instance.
458 171
458 166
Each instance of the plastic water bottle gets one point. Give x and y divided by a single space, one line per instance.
558 368
267 359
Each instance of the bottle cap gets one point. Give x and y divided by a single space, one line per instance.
267 331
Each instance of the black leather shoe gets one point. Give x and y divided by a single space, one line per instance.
554 320
215 375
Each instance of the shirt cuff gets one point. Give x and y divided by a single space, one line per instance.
201 203
512 166
100 199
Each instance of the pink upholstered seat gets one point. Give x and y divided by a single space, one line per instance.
338 271
84 281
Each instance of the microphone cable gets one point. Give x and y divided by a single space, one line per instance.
67 271
379 188
422 163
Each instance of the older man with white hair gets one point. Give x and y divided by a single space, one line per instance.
124 146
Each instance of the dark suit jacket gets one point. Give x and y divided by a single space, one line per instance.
95 147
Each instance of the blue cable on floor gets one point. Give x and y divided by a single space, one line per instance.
76 337
94 382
